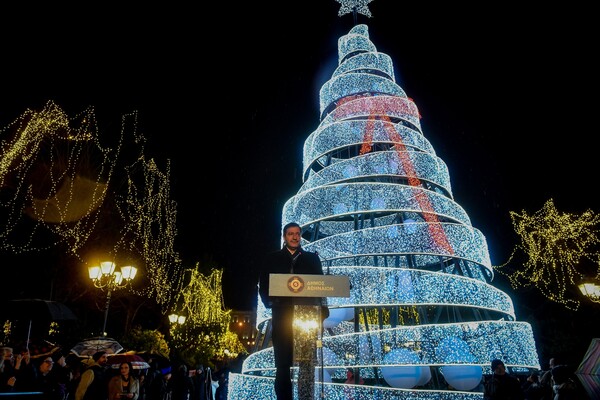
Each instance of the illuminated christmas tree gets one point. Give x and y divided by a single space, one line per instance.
423 320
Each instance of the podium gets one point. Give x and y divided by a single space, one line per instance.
308 290
307 285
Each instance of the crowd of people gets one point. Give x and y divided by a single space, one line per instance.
557 383
68 377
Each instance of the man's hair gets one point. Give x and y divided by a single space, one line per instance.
290 225
495 364
98 354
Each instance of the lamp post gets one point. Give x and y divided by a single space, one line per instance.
591 290
106 278
175 318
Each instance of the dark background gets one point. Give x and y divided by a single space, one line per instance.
229 92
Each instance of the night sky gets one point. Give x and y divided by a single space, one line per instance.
228 93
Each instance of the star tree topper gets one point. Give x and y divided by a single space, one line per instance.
354 6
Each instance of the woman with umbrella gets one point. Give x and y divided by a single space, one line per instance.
124 386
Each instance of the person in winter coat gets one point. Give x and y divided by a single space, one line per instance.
501 385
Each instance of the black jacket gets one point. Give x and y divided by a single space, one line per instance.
503 387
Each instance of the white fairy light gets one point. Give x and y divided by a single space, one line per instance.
360 6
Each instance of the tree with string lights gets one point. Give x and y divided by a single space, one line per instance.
77 200
204 337
560 250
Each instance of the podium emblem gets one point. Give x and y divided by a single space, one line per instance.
295 284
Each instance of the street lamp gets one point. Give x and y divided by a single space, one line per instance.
174 318
591 290
106 278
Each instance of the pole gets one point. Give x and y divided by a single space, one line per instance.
320 350
106 310
28 336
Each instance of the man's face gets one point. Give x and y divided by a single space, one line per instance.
102 360
500 369
292 238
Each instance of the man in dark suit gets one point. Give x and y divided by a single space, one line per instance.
290 259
